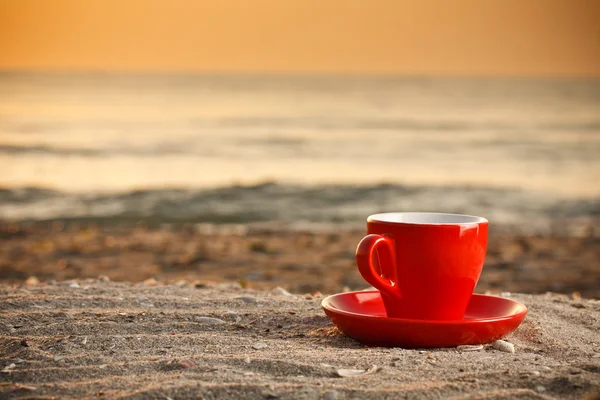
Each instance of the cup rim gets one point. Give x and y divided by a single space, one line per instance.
426 218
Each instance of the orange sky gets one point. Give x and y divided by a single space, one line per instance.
487 37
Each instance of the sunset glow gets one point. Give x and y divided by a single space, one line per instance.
508 37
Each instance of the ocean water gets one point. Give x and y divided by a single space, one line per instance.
320 149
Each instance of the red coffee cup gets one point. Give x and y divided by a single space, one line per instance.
425 265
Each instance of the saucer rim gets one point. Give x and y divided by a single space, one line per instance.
325 304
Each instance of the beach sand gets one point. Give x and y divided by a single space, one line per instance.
299 261
95 338
126 311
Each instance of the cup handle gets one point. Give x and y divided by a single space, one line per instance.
385 282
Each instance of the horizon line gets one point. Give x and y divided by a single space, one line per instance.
285 74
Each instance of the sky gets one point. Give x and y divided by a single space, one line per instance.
429 37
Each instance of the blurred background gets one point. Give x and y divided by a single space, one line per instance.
224 140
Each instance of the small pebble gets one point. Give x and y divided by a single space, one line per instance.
468 347
282 291
32 281
259 345
102 366
209 320
104 278
230 285
505 294
9 367
247 299
150 282
357 372
59 358
540 389
247 360
19 361
74 285
502 345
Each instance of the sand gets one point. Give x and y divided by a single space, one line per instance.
300 261
94 338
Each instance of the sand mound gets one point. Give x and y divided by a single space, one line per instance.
95 338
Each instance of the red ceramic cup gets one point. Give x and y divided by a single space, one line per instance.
425 265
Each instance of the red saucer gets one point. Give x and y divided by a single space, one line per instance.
361 315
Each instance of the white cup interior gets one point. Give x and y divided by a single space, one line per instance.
426 218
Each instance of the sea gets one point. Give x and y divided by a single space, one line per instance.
294 150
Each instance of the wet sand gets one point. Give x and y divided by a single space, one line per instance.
94 338
299 261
